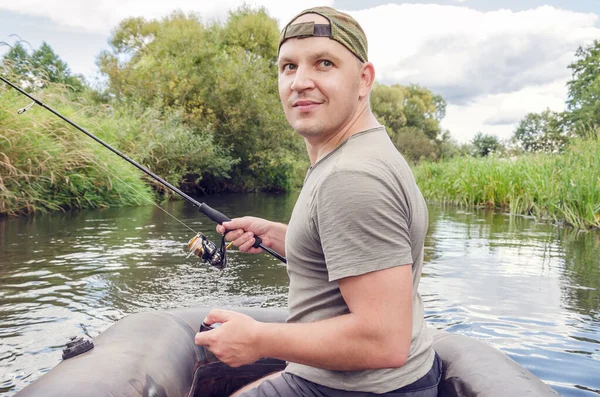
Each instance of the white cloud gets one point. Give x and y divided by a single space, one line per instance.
492 67
499 114
102 16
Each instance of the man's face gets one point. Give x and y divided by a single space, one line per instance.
319 81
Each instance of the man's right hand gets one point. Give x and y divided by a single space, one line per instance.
241 232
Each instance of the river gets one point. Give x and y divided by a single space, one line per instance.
530 289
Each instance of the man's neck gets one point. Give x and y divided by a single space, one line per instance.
317 149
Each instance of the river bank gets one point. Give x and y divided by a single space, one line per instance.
563 188
44 166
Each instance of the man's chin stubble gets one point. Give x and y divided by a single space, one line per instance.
310 132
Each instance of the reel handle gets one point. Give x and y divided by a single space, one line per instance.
205 327
210 356
219 217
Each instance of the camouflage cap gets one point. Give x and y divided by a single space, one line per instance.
342 28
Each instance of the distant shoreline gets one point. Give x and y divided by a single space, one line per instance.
564 188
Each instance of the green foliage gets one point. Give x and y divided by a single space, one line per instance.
133 34
412 115
44 165
541 132
164 144
220 76
558 175
253 31
47 165
387 103
195 102
41 67
414 144
424 110
449 148
563 187
584 91
485 144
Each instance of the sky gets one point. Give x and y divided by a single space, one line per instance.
493 61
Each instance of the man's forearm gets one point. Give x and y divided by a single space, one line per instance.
277 233
341 343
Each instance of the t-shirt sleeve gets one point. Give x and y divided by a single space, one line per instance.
363 223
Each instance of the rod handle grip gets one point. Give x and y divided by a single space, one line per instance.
219 217
257 242
213 214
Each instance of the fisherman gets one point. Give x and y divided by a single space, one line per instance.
354 243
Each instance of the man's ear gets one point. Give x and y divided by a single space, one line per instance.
367 78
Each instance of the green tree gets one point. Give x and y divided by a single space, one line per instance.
17 60
254 31
449 147
542 132
224 75
485 144
415 145
219 75
583 103
41 67
424 110
387 103
412 115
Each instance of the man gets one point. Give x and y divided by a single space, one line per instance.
354 243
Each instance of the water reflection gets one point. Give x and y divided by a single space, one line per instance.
520 286
581 271
526 288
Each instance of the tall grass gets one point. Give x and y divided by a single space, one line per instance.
47 165
564 188
161 141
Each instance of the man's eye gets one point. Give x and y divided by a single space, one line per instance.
289 66
326 63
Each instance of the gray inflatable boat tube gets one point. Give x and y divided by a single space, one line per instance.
153 354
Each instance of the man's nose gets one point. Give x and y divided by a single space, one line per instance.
303 79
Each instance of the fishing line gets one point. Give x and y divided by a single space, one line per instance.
217 256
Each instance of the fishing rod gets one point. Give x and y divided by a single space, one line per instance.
199 244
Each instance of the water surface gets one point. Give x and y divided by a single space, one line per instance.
527 288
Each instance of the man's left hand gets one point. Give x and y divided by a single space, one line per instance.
235 342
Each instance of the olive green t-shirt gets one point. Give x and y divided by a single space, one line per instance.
359 211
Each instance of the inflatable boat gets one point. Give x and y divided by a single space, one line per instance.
153 354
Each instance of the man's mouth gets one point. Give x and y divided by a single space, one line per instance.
306 105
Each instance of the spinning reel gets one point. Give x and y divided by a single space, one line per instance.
208 252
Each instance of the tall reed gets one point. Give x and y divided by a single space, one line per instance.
564 188
47 165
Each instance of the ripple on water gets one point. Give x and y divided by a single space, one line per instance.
517 285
